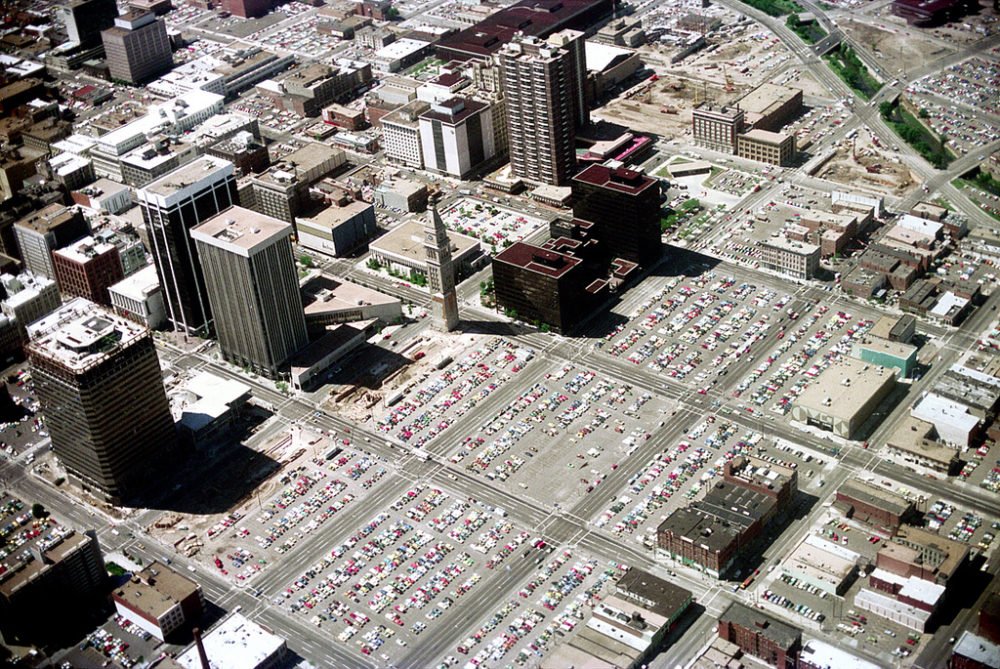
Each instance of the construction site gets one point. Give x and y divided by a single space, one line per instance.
860 161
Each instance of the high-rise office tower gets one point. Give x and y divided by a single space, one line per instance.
46 230
440 272
542 85
624 206
137 48
171 206
85 19
253 288
98 380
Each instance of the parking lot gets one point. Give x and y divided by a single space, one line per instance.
693 328
964 131
403 572
572 420
494 225
972 82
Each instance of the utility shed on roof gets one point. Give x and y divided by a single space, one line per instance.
844 396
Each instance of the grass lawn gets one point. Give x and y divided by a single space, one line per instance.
849 67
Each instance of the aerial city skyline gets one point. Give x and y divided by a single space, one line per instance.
512 334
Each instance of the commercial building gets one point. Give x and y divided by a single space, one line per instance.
402 249
253 288
933 558
404 195
27 298
624 207
912 607
160 601
894 355
895 328
796 259
400 54
87 268
534 18
209 408
308 89
765 146
543 88
973 651
98 381
932 12
44 231
282 191
137 48
237 643
953 422
843 397
874 504
139 298
330 300
818 655
822 564
85 19
770 106
717 127
915 441
45 562
310 364
171 206
104 195
710 533
761 635
401 134
549 283
456 136
247 9
338 230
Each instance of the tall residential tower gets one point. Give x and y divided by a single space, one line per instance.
543 82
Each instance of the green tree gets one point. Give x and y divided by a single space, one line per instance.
305 261
38 511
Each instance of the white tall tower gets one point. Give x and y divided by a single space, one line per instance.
440 272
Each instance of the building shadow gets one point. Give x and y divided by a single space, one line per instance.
368 366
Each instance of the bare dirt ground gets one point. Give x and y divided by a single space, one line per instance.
866 165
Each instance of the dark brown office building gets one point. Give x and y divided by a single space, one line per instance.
547 284
87 269
624 206
137 48
98 381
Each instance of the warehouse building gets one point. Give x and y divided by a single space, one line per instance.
894 355
844 396
874 505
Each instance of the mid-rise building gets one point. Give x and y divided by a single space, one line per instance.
27 298
236 643
45 561
171 206
253 288
540 80
844 396
338 230
87 268
137 47
456 136
139 297
401 134
796 259
247 9
98 381
44 231
160 601
717 127
765 146
874 504
761 635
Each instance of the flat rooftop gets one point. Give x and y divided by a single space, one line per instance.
155 590
875 496
47 218
407 240
654 593
84 250
780 633
80 334
819 654
618 179
239 228
327 293
767 98
235 643
187 175
845 387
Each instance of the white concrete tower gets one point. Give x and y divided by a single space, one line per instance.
440 272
